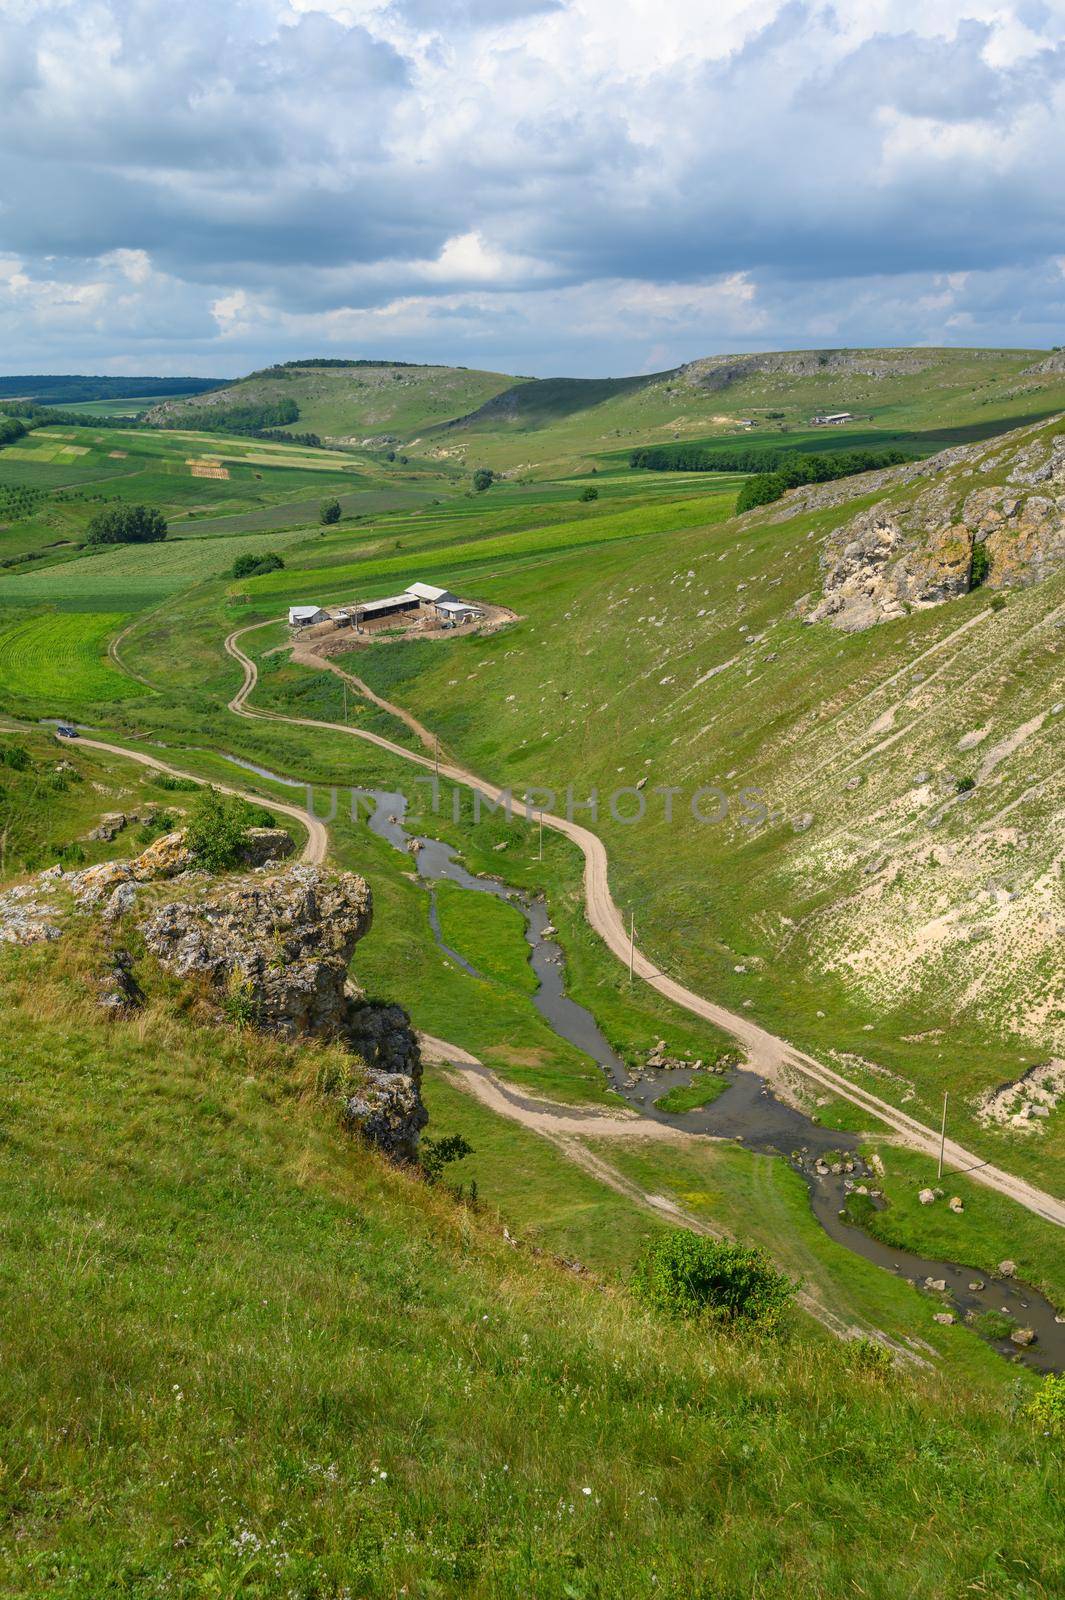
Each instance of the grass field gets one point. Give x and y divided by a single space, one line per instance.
258 1360
62 658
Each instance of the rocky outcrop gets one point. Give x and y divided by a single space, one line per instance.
278 948
903 555
168 857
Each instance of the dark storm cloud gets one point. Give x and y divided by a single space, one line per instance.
288 166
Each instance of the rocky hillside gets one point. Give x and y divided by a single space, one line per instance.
273 947
991 514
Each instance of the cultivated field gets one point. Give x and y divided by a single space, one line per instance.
62 659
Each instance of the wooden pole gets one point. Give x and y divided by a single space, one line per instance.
943 1133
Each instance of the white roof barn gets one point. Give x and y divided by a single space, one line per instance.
430 592
302 616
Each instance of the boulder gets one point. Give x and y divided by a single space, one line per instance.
927 1196
109 826
1023 1336
1007 1269
164 858
955 1204
944 1317
282 943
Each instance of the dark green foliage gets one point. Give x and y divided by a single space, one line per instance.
127 525
998 602
51 387
11 429
249 418
859 1211
175 785
483 479
964 785
979 566
251 565
590 493
686 1275
329 512
15 757
218 827
761 490
435 1154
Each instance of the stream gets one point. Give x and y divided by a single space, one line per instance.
746 1110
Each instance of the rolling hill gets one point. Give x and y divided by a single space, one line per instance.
555 426
359 402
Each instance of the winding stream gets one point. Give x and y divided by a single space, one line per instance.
747 1110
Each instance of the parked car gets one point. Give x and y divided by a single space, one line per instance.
66 730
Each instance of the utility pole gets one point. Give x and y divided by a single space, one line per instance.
632 942
344 681
540 855
436 742
943 1133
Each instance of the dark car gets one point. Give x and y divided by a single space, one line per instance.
66 730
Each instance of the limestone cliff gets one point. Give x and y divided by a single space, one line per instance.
279 946
992 513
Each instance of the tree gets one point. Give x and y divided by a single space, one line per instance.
689 1276
483 479
329 512
250 565
589 493
127 525
217 830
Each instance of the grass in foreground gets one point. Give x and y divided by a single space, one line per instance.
244 1356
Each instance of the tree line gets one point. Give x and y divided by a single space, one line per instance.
762 488
248 418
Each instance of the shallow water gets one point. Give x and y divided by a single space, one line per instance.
746 1111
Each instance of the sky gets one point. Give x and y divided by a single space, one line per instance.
581 187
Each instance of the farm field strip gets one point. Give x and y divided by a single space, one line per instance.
63 657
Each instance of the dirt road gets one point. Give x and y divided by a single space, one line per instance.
314 851
769 1055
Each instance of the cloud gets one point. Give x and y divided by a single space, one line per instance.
237 178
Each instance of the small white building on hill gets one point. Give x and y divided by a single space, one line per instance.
306 616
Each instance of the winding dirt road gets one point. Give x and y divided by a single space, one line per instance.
314 851
772 1057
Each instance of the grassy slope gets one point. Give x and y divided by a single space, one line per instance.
794 712
983 390
260 1361
345 402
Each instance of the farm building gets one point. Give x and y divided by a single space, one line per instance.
448 606
393 605
306 616
452 610
832 419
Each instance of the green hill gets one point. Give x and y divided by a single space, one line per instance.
350 401
554 426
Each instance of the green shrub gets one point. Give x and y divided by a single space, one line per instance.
250 565
15 756
590 493
483 479
218 828
1047 1406
979 566
435 1154
329 512
869 1356
175 785
998 602
965 785
733 1284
